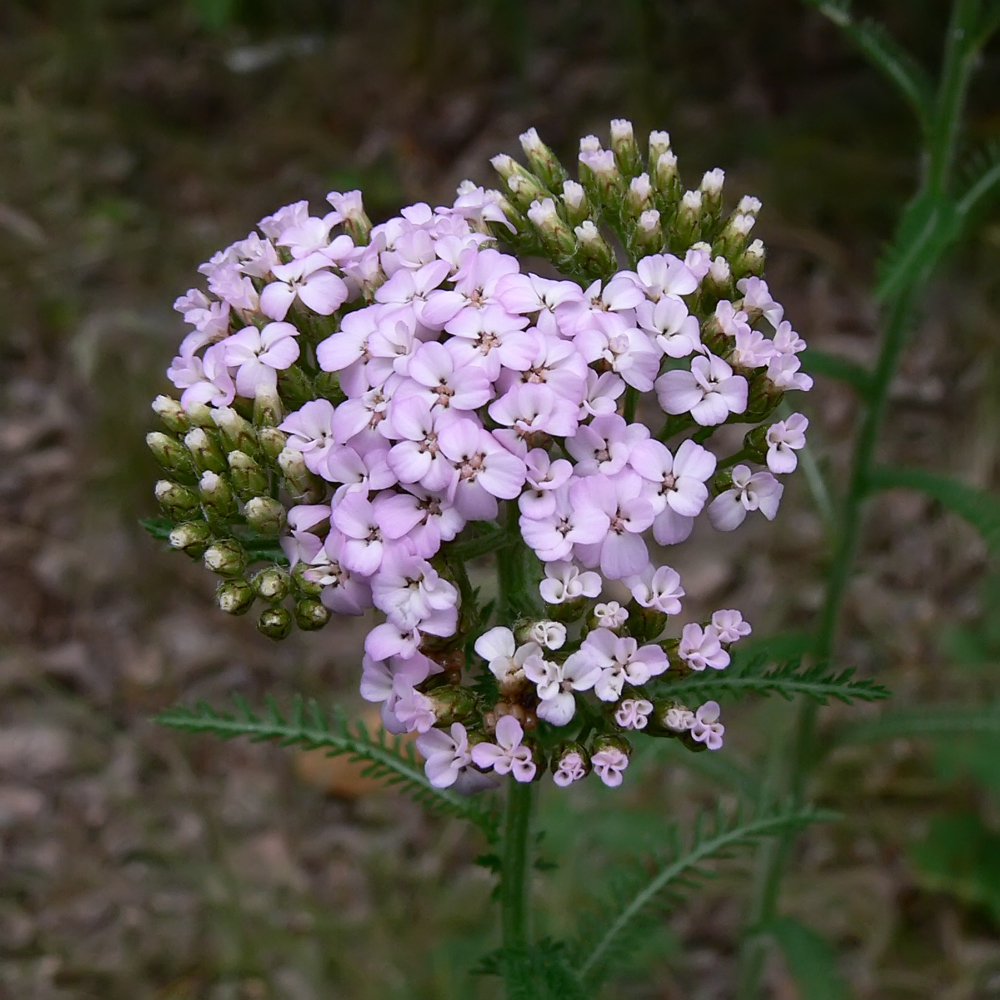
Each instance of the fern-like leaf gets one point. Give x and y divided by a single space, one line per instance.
916 723
681 869
983 179
980 509
789 679
387 757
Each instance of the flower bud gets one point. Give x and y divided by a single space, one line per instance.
169 452
200 415
555 235
304 586
755 443
640 196
225 557
686 225
763 398
625 148
295 387
719 280
177 501
301 484
711 190
191 537
275 623
659 143
311 614
568 611
594 250
272 584
601 178
248 478
645 624
574 199
237 433
524 186
170 411
452 703
735 235
217 496
750 262
205 450
666 180
546 633
265 515
543 162
669 718
235 597
267 408
646 236
272 441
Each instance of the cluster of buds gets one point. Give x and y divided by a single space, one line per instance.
365 409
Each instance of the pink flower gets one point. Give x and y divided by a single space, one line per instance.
446 755
609 764
729 625
784 438
633 713
258 356
700 648
710 391
756 491
507 754
571 767
706 728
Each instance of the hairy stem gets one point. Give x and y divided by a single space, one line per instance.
516 868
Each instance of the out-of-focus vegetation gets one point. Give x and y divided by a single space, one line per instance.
138 137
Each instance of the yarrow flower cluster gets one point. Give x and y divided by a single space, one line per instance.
388 403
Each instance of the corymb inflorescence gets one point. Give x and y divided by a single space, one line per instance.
366 410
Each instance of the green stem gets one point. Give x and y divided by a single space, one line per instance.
516 874
794 766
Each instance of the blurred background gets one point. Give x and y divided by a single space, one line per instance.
139 136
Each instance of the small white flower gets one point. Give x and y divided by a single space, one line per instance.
784 438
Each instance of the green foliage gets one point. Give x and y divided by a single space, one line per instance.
789 679
982 173
980 509
833 366
387 757
811 959
552 976
961 857
677 871
917 723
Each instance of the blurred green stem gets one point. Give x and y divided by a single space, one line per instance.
514 884
920 251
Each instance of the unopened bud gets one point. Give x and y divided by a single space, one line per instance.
248 478
301 484
687 223
750 262
624 146
452 703
594 249
327 386
640 195
235 597
191 537
275 623
272 441
659 143
647 237
524 186
205 450
575 200
265 515
267 408
749 205
666 180
216 496
719 280
304 586
555 234
272 584
601 178
171 454
236 432
762 399
543 162
170 411
711 189
200 415
225 557
735 235
311 615
295 387
612 744
755 443
178 502
570 762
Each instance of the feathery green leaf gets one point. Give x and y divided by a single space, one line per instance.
788 679
715 836
388 757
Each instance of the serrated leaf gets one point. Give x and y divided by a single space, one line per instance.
918 723
811 959
158 527
834 366
387 757
715 836
980 509
788 680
